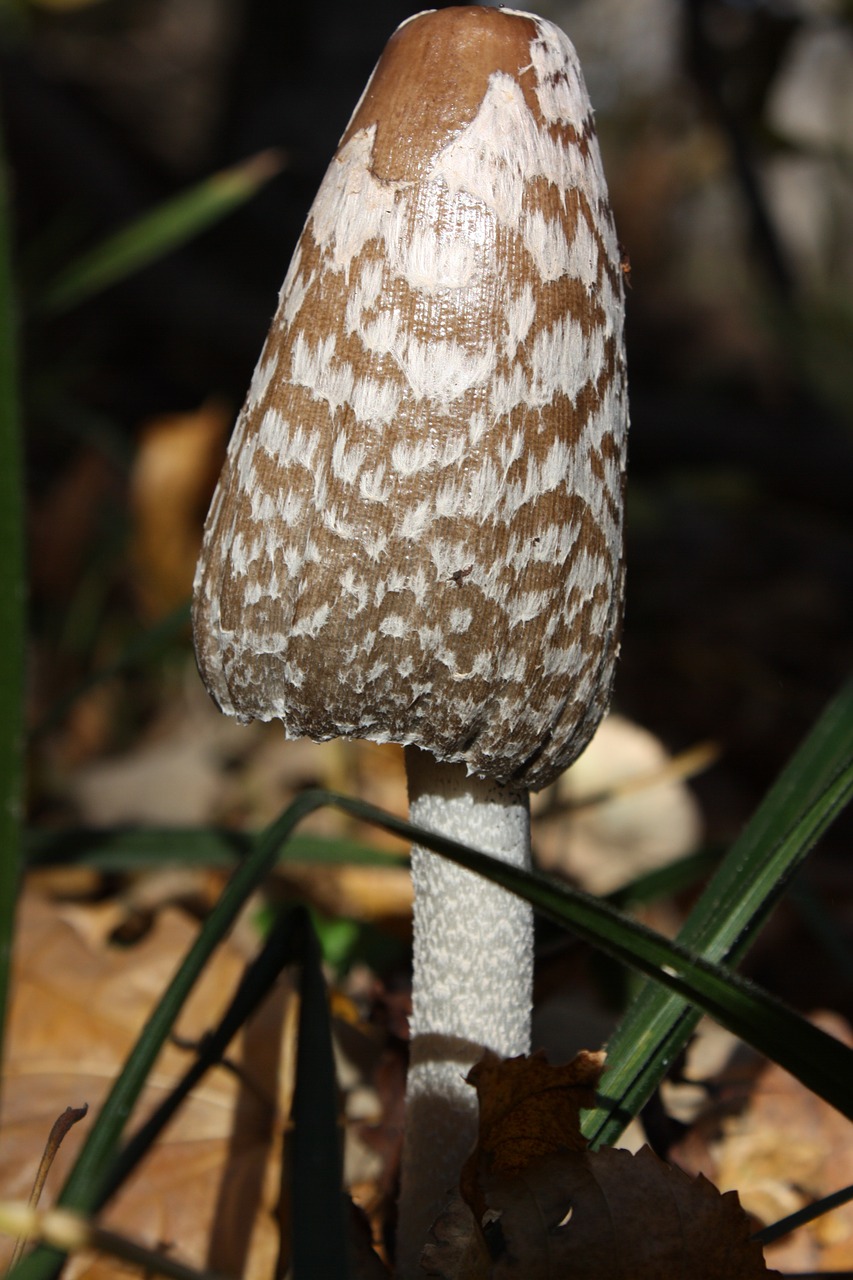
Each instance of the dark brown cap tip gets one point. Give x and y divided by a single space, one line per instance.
431 80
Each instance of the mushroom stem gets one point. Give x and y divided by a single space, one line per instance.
472 982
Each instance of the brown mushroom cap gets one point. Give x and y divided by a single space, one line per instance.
417 535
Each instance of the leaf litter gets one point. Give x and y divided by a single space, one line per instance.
533 1203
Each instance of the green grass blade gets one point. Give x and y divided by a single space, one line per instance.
316 1176
157 233
819 1061
726 920
778 1230
12 605
760 865
119 849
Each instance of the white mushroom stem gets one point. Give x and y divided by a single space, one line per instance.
472 982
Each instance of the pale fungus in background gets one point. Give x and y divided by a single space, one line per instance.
417 536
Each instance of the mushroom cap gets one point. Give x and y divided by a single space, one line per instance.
417 534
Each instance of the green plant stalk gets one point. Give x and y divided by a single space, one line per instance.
158 232
12 606
116 849
727 919
818 1060
761 864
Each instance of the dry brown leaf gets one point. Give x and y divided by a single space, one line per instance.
456 1249
352 892
631 810
175 468
534 1204
610 1214
528 1110
207 1189
606 1215
782 1147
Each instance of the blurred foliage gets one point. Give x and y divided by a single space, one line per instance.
12 604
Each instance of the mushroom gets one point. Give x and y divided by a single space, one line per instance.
417 535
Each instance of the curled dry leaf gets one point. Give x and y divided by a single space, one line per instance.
614 1214
605 1215
528 1110
534 1203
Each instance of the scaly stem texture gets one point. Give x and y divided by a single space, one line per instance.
472 982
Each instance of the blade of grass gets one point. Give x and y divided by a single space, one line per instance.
117 849
819 1061
730 913
319 1233
158 232
12 597
768 1235
761 864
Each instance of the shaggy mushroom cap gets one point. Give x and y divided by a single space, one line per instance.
417 536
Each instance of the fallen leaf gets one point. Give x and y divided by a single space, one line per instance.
782 1147
611 1214
529 1109
177 461
630 810
456 1249
533 1204
207 1189
604 1215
